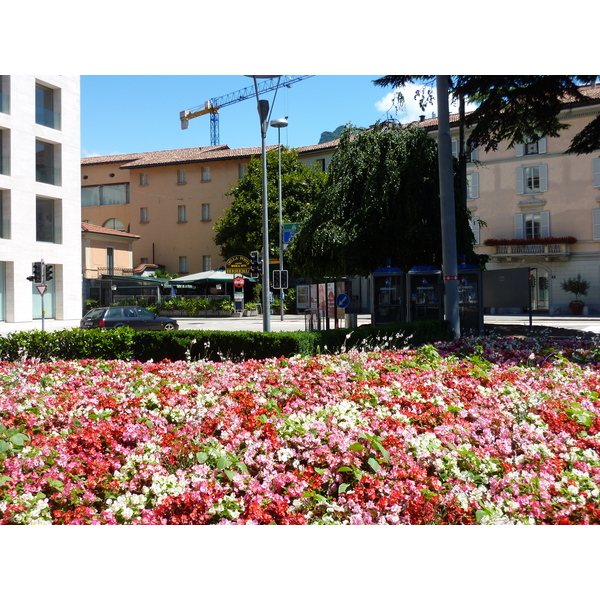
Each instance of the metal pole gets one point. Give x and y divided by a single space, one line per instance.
281 291
263 111
43 271
449 254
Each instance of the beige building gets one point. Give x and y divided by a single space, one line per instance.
537 192
171 199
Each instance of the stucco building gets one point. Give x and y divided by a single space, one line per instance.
40 215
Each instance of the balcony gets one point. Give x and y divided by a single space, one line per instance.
517 250
106 272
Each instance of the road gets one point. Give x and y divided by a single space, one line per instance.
297 323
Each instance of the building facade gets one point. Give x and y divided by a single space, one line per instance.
171 199
536 207
40 216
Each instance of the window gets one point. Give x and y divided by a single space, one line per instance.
532 225
4 94
206 212
532 179
183 264
4 152
4 215
206 263
596 172
47 103
596 223
47 162
472 185
242 168
181 216
181 176
205 174
321 163
472 153
105 195
143 178
110 261
531 147
114 224
144 214
48 218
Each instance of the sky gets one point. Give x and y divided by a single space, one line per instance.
123 114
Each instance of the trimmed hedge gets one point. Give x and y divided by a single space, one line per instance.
127 344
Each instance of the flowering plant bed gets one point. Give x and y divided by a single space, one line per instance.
479 430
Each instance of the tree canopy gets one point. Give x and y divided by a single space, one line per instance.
240 229
381 202
513 108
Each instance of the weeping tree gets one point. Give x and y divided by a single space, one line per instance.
381 202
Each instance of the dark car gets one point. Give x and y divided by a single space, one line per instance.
135 317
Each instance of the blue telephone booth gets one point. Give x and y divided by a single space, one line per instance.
470 300
387 296
425 294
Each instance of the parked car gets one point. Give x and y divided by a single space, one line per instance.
135 317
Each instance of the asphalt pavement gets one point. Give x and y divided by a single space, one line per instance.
298 323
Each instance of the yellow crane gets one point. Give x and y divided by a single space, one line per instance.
213 105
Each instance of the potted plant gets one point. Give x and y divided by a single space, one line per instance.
579 287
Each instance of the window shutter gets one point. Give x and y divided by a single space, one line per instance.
473 185
455 148
545 223
542 146
520 149
520 185
519 226
596 221
596 170
474 154
543 178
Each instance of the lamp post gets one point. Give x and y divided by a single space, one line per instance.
280 124
263 114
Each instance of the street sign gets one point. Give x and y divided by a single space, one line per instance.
289 231
41 289
237 264
343 301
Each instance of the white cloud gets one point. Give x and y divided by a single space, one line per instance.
411 110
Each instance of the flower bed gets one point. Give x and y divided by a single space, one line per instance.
474 431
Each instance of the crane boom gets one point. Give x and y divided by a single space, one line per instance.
213 105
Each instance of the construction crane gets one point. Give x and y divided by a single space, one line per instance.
213 105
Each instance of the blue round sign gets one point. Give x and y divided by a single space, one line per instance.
343 301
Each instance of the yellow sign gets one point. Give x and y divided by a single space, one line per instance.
237 264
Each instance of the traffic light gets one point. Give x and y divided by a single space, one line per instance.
284 280
48 274
37 273
255 265
277 280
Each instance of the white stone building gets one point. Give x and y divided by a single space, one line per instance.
40 197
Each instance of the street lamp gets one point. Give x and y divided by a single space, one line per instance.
263 114
279 124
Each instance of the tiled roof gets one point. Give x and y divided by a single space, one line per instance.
91 228
317 147
173 157
593 93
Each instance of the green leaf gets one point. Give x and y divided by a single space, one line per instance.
201 457
19 439
4 447
56 484
345 469
230 474
357 447
223 462
374 464
320 470
343 487
4 479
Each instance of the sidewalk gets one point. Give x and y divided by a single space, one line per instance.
297 323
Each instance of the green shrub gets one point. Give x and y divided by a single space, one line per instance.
127 344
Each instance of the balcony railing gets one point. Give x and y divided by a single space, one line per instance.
554 251
101 272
